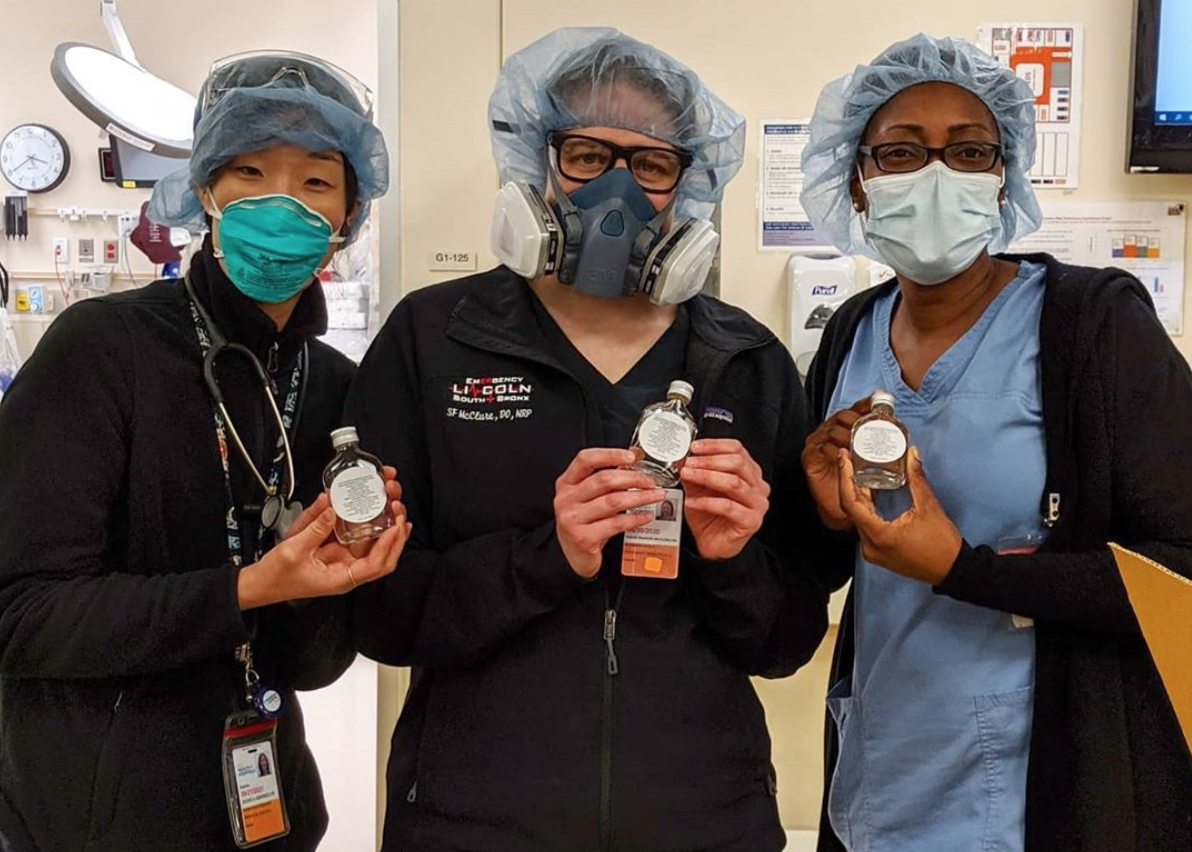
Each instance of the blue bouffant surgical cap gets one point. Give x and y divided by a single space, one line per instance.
596 76
846 105
254 101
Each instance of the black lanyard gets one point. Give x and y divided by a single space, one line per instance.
288 413
255 694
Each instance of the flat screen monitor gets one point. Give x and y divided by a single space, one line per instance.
1161 105
136 168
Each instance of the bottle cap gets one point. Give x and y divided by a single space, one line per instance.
681 389
881 397
341 438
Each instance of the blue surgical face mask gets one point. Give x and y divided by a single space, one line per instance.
618 227
272 245
931 225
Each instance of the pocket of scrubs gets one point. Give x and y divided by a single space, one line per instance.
1004 731
846 778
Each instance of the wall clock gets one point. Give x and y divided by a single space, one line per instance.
34 158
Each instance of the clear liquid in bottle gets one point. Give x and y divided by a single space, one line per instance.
879 446
355 485
664 436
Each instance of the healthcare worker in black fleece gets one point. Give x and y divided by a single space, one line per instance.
556 704
144 605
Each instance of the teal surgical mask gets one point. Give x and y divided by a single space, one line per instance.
931 225
272 245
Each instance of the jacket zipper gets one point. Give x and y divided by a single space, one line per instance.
610 636
611 669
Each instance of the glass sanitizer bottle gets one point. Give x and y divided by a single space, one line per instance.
356 487
664 436
879 446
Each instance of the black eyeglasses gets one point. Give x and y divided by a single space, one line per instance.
911 156
584 158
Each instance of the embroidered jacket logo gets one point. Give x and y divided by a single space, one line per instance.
719 414
489 390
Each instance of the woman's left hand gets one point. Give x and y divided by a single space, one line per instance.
726 497
921 544
335 550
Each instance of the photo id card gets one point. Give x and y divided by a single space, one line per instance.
653 550
252 780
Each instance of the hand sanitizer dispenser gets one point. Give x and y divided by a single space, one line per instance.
817 285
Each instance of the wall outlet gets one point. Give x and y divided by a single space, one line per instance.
86 251
111 251
61 250
127 223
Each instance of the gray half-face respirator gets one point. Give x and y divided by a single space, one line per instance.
605 239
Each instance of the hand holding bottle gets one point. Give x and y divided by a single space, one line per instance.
727 497
311 563
591 500
921 544
820 463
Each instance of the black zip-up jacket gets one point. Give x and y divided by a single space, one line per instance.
118 604
1109 770
515 735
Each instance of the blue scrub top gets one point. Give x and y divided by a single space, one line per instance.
934 726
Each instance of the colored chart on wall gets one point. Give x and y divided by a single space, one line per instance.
1050 57
1145 238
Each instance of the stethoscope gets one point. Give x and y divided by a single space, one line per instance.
275 506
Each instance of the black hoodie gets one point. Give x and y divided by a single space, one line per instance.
118 603
515 736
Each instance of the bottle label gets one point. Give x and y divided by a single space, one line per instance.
358 494
665 436
879 441
653 550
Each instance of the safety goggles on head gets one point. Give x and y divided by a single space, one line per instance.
284 69
581 158
903 157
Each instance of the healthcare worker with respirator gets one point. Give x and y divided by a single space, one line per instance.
556 704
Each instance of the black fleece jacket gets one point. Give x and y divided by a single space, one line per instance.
516 736
118 603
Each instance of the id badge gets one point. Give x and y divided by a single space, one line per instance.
252 780
653 550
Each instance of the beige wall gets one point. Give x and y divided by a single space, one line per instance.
769 59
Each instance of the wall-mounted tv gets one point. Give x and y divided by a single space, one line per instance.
1161 108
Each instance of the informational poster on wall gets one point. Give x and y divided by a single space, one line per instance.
1146 238
783 225
1050 57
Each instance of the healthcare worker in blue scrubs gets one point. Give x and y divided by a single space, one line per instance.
990 689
